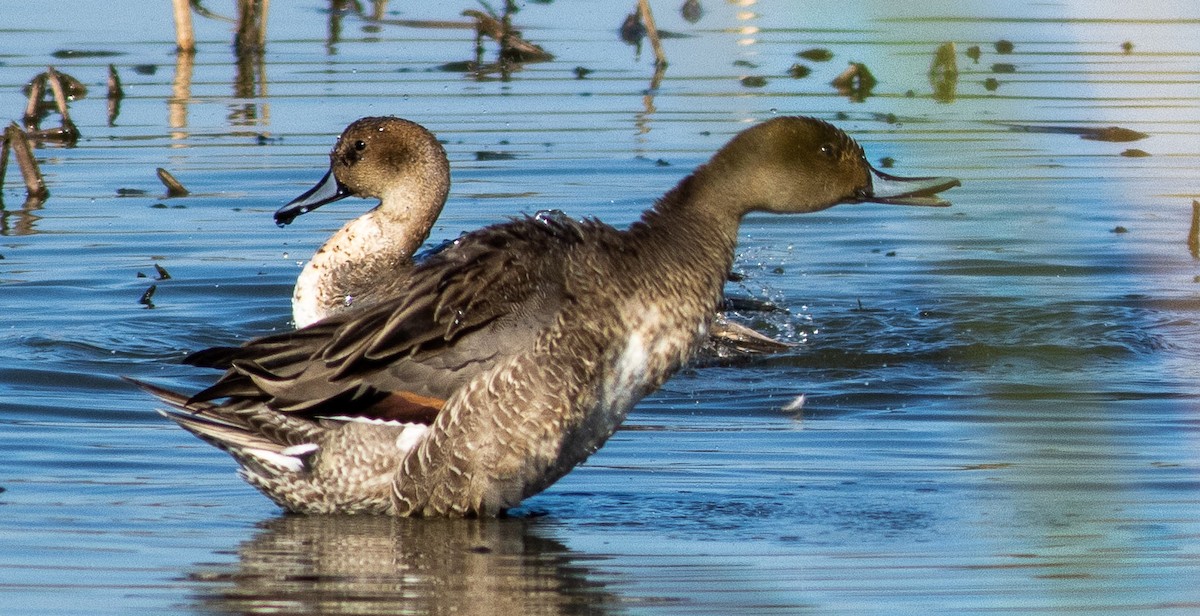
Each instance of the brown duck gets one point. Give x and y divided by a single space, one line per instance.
513 355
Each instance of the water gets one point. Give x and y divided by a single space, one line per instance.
1000 397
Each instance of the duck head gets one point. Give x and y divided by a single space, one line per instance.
394 160
800 164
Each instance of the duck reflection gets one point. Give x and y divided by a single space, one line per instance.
370 564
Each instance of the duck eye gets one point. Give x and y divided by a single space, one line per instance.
828 150
360 145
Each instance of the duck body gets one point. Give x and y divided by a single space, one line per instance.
514 354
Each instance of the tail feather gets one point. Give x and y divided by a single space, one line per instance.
263 442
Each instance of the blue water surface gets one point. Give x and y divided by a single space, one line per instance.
1000 403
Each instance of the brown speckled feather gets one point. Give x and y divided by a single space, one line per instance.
441 325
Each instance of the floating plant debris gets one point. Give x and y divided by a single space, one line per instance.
632 29
146 298
1193 240
1111 133
83 53
114 83
754 81
944 61
973 52
486 155
1004 67
750 304
513 47
943 73
72 88
174 188
1135 153
816 54
581 72
856 81
64 89
1004 46
691 11
799 71
466 66
115 94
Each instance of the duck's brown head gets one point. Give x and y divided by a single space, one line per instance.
800 164
391 159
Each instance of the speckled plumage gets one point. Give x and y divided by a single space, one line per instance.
511 356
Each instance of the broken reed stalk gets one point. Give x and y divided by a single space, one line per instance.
855 77
60 95
67 134
660 57
37 88
185 35
114 83
174 187
1193 241
15 138
4 148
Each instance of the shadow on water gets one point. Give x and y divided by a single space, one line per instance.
367 564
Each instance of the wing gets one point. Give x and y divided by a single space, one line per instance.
464 309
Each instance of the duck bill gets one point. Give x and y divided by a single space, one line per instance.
896 190
328 190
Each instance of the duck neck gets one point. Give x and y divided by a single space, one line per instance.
359 257
695 225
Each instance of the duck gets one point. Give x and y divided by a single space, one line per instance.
512 355
403 165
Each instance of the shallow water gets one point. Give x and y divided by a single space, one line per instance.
1001 400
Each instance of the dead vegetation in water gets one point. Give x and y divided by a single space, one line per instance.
856 82
16 142
62 89
1114 134
1193 240
943 73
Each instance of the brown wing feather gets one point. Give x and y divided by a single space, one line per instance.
466 307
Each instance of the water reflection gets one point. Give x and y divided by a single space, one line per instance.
22 221
943 73
181 95
250 84
367 564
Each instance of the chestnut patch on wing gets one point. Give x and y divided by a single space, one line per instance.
406 407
